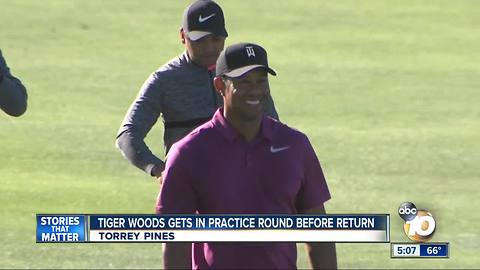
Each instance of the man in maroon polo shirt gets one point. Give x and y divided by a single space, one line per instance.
243 162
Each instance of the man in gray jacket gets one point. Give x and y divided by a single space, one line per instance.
13 95
181 91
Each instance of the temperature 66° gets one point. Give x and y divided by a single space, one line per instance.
433 250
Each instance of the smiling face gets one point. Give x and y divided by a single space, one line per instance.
244 97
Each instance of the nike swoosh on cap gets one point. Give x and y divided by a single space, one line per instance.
200 19
275 150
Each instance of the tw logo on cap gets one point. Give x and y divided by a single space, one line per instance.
250 51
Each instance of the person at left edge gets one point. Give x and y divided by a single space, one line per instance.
181 92
13 95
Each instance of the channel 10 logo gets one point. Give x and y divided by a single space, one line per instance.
419 224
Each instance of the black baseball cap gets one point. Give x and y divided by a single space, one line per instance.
202 18
238 59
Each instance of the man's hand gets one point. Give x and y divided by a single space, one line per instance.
160 180
157 170
177 256
321 255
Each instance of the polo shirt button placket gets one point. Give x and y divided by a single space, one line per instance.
248 157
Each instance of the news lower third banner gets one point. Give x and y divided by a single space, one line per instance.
66 228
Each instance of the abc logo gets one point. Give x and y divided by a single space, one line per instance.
419 224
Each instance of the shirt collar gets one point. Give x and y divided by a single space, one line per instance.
231 134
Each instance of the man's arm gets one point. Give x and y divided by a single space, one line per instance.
177 196
140 118
322 255
13 95
313 195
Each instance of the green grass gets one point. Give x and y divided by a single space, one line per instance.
387 92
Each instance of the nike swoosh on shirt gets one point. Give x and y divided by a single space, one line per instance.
276 150
200 19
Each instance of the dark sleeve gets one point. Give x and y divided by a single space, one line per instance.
13 95
270 108
314 191
141 116
177 194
